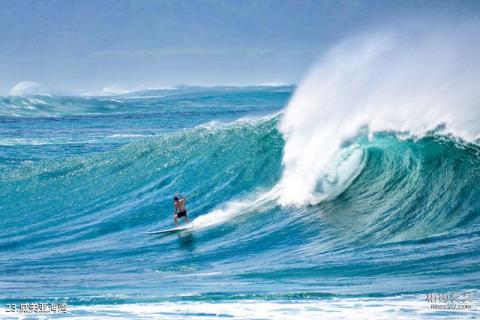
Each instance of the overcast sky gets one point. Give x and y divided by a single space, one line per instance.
84 46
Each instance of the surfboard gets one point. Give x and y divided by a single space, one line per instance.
171 230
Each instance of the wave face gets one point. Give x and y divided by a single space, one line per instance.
381 216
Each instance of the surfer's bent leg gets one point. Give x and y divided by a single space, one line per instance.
175 219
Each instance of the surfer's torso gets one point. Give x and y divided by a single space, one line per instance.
180 210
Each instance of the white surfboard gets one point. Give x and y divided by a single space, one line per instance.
171 230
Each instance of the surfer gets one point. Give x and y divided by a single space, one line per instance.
180 210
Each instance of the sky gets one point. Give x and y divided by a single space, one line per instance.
70 46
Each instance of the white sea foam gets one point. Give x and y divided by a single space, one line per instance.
401 307
23 141
414 80
256 202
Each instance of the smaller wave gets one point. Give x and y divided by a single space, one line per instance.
114 90
24 88
130 135
160 92
23 141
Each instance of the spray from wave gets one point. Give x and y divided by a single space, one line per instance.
412 82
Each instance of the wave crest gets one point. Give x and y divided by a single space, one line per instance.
403 81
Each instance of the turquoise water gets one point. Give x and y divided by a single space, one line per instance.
83 178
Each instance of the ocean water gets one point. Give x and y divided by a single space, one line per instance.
80 188
307 203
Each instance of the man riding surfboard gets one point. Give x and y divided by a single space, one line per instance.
179 209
